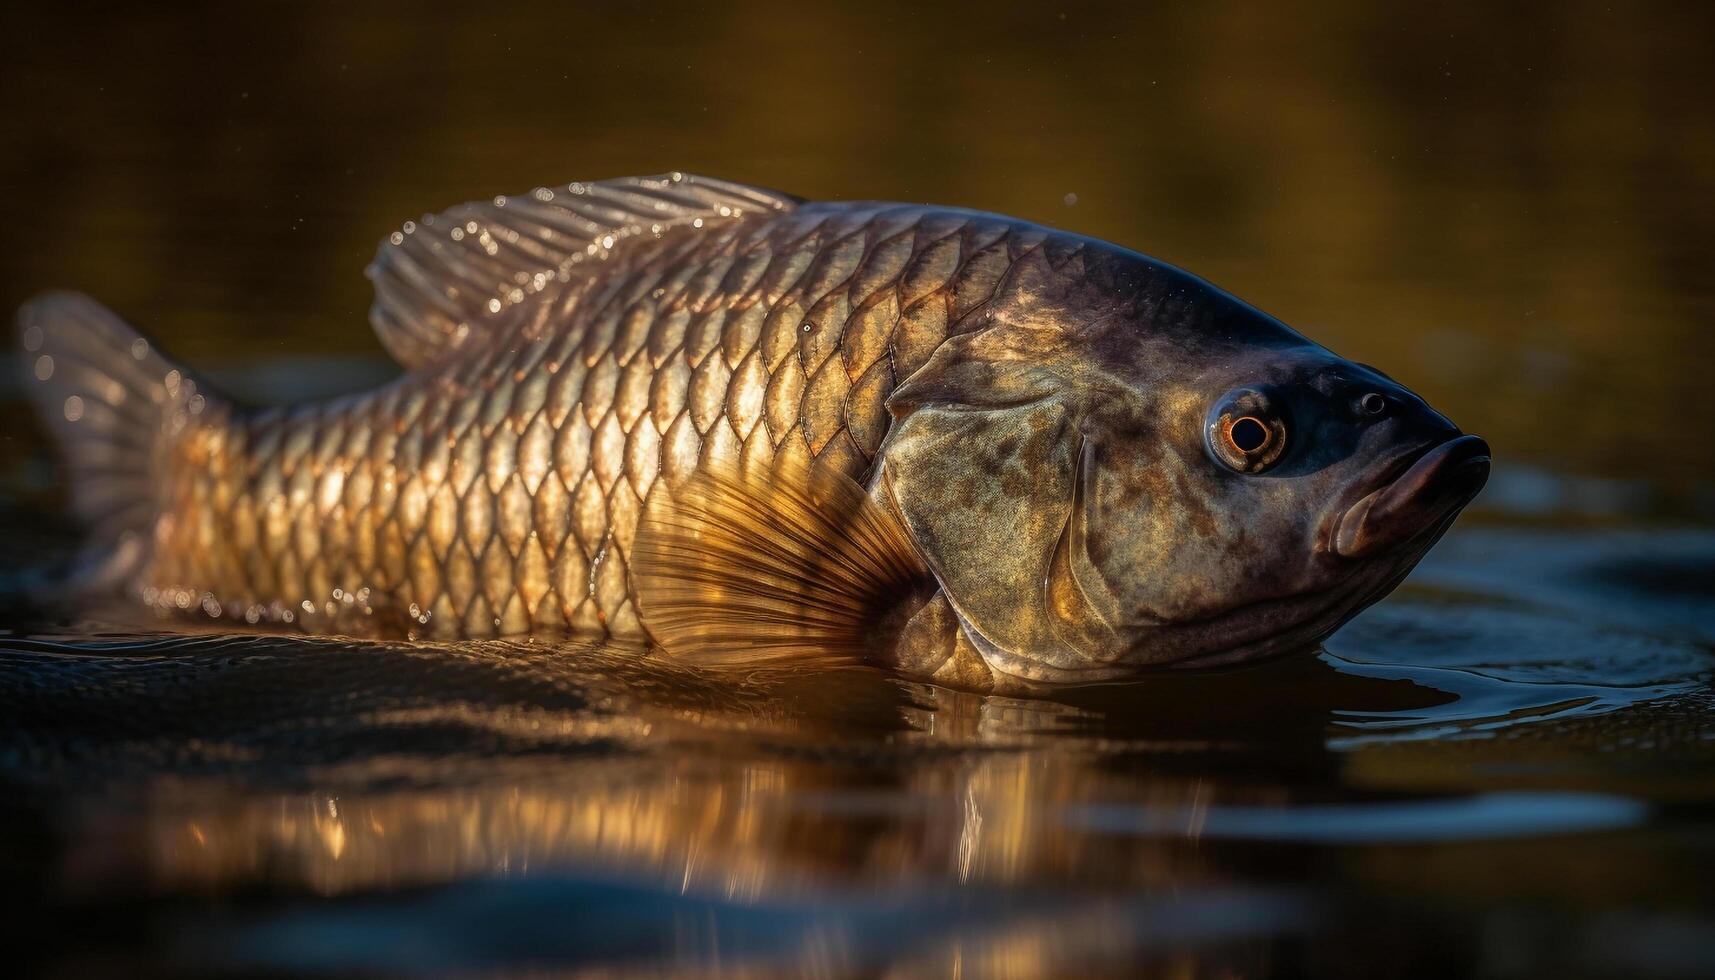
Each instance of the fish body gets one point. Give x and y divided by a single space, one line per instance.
993 431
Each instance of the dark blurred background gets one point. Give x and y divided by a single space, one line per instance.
1501 771
1508 207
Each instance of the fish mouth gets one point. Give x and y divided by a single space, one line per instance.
1434 487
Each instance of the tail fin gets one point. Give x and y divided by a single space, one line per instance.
116 406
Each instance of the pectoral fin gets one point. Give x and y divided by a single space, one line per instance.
772 566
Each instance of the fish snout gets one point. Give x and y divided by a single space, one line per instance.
1433 488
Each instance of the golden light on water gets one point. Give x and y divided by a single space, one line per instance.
1503 768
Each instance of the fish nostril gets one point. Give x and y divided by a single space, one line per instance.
1372 404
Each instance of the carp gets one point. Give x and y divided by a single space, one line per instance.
748 427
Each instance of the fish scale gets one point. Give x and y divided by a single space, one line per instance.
760 431
498 490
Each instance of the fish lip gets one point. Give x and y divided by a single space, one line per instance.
1415 494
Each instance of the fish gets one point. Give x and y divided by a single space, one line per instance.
747 428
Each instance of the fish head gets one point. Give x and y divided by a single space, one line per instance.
1116 466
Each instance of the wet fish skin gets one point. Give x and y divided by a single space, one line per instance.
499 493
1044 425
1082 416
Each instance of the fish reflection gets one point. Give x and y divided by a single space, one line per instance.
471 760
839 822
742 831
710 806
742 828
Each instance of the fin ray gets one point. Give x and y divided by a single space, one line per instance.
446 278
779 566
115 405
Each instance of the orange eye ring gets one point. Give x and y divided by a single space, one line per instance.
1246 430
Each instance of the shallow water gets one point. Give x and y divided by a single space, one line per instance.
1469 778
1507 768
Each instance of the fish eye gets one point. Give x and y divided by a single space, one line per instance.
1246 431
1372 404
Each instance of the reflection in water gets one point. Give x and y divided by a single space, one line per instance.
1502 771
784 819
736 820
1218 934
1552 668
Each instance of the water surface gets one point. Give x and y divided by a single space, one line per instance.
1507 768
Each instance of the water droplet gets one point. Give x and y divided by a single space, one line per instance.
607 241
1070 199
410 226
396 238
458 234
697 223
32 338
309 606
500 200
494 306
74 408
139 348
44 367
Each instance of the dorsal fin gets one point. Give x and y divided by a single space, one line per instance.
787 564
440 280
